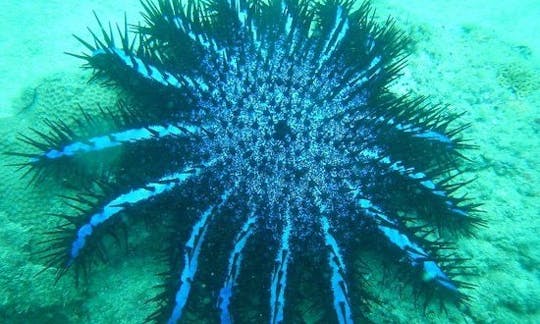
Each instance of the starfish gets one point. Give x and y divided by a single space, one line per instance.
266 134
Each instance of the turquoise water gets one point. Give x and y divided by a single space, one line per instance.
480 57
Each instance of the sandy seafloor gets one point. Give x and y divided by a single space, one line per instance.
481 57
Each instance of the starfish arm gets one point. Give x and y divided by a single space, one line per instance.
339 285
335 36
115 206
233 270
427 189
416 256
103 142
102 213
192 250
278 282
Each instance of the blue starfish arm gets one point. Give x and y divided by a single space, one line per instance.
117 205
133 61
426 183
431 189
139 66
334 37
192 250
417 130
278 282
116 139
235 261
167 21
404 130
146 71
69 246
421 179
417 257
340 288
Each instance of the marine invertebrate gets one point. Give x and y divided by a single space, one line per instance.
268 128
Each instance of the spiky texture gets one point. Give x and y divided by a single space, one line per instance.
267 131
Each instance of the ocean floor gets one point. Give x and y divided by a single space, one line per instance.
480 57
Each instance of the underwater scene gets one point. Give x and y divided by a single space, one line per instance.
270 161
